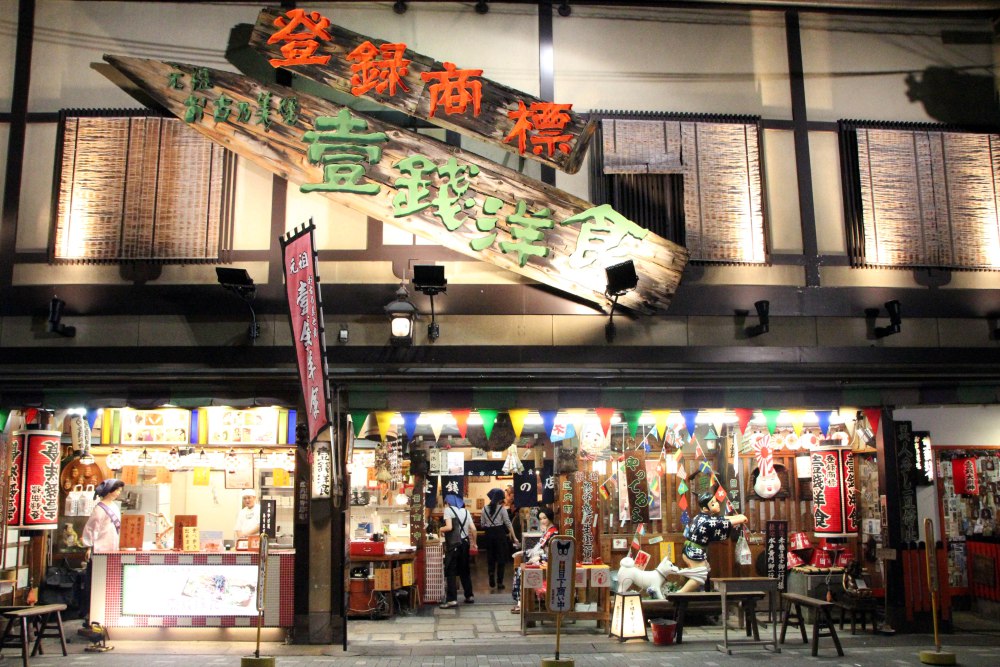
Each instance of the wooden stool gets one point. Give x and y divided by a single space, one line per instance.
823 625
859 610
17 634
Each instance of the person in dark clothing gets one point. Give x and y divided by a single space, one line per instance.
458 532
499 537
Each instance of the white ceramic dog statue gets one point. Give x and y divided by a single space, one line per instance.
652 580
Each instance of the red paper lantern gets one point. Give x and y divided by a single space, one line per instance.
821 558
16 473
799 541
965 476
794 560
37 481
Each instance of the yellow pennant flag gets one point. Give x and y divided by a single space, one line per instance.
798 416
517 420
661 423
384 420
575 417
436 420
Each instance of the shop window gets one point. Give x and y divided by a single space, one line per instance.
694 180
920 196
140 188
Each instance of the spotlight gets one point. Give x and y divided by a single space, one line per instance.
894 309
401 315
621 278
763 309
564 9
482 7
55 319
240 282
429 279
399 7
343 333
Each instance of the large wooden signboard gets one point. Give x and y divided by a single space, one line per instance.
454 96
456 199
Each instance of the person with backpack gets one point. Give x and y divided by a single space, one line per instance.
458 533
499 537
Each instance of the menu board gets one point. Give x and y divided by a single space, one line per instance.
181 523
417 523
776 548
167 425
258 426
130 536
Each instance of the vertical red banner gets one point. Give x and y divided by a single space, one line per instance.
40 480
16 475
306 314
851 522
965 476
827 499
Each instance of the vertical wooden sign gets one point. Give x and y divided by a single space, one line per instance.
268 517
776 548
906 461
130 536
181 522
587 516
638 488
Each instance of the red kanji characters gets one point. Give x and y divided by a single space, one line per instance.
371 73
546 120
453 91
300 47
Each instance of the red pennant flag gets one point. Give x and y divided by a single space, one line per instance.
873 415
605 414
744 415
682 502
30 414
462 418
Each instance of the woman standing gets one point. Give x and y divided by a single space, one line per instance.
536 554
496 522
458 533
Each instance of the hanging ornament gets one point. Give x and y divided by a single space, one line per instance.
768 483
512 465
173 459
114 460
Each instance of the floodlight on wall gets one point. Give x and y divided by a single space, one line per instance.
564 9
482 7
239 282
429 279
399 7
620 279
55 319
343 333
401 315
894 309
763 325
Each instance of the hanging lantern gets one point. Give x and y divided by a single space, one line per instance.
231 460
173 459
34 492
114 460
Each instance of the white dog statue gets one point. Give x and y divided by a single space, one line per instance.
652 580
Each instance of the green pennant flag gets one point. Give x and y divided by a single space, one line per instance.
771 416
489 419
632 420
4 414
358 418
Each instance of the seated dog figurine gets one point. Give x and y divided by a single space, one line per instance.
652 580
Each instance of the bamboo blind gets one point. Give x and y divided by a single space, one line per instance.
720 164
923 198
135 188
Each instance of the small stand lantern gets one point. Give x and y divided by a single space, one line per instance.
627 621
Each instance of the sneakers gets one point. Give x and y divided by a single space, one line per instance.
501 587
448 605
515 610
470 600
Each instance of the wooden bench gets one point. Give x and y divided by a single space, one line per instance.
822 620
710 601
17 633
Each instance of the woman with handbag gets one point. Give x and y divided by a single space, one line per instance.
499 537
458 533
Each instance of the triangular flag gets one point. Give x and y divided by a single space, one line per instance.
384 421
548 420
798 416
29 415
91 418
489 420
410 423
690 417
823 417
461 420
4 414
771 416
682 502
632 418
605 415
873 415
436 420
682 488
575 416
660 419
717 420
744 415
517 420
358 418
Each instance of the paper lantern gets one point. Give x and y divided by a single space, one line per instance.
794 560
821 558
34 491
965 476
835 513
627 621
799 541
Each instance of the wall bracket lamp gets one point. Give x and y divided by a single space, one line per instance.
564 9
401 315
895 319
399 7
763 308
55 319
239 282
621 278
482 7
429 279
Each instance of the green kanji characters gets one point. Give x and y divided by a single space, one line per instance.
195 109
487 223
412 190
243 112
602 230
223 108
264 110
446 204
289 109
200 79
527 228
174 80
338 145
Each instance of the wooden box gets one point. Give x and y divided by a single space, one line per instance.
383 579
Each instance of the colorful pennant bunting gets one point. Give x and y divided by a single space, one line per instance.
632 418
744 415
517 418
548 420
410 423
823 416
605 415
462 421
384 421
771 416
690 421
489 418
358 418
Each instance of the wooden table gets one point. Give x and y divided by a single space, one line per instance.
768 587
531 612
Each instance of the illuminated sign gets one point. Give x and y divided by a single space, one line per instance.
189 590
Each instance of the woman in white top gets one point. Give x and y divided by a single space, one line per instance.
248 518
458 532
104 524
